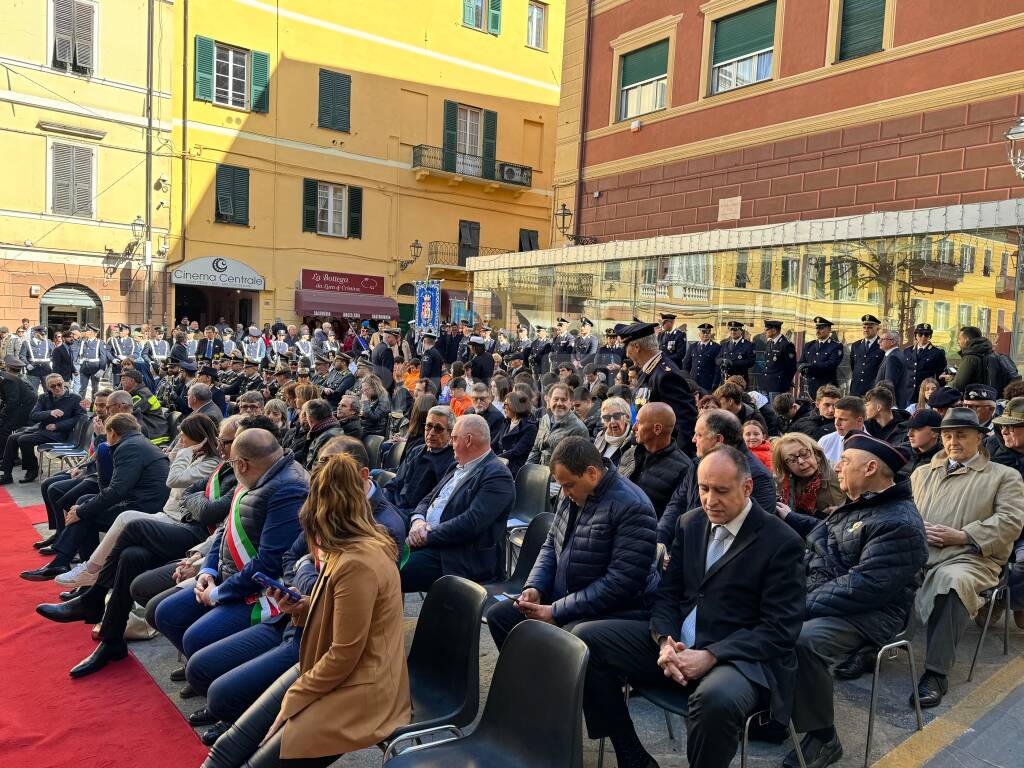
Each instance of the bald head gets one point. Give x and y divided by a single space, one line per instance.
253 452
654 425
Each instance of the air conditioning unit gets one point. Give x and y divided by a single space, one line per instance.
515 174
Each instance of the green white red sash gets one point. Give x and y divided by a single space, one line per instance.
213 484
242 551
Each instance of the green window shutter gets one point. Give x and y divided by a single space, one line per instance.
62 173
259 81
645 64
241 195
355 212
451 135
204 69
744 33
335 101
309 202
862 25
225 206
344 102
490 143
469 12
494 17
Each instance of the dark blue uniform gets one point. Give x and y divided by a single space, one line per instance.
894 368
822 360
664 383
923 363
864 363
736 356
673 345
431 364
584 349
562 349
779 365
701 363
609 355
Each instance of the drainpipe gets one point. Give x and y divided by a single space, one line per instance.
584 101
183 183
148 244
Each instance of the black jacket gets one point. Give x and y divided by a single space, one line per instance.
138 480
197 507
515 443
417 475
656 474
383 360
70 404
62 362
813 425
495 420
750 603
17 401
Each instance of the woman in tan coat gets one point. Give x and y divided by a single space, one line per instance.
353 684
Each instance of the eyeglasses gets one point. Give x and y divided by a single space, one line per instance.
55 386
804 454
435 428
1010 427
248 407
606 417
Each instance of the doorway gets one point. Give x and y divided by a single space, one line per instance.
207 305
69 303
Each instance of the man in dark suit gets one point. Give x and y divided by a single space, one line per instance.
723 628
893 367
700 358
483 405
540 351
54 416
209 348
383 358
779 360
459 528
17 398
431 363
736 354
923 359
865 357
821 358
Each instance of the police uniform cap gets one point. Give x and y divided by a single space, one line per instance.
392 332
610 332
254 331
158 329
513 356
321 358
667 316
586 321
981 392
870 319
821 322
282 370
892 457
185 365
4 329
637 331
208 370
303 372
364 363
429 335
776 324
40 329
236 356
925 329
13 362
250 363
91 327
705 327
734 324
343 357
120 327
562 321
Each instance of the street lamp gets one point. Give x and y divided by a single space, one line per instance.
563 221
415 249
1015 147
1015 153
138 228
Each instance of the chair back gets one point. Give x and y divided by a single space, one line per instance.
173 420
384 477
444 660
532 492
549 708
373 444
536 534
394 457
81 432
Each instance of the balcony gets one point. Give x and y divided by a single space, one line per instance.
935 274
453 255
676 293
459 166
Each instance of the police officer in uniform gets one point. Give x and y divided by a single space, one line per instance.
156 351
305 346
523 343
279 348
122 347
431 363
671 341
562 344
91 358
923 359
322 364
821 358
252 380
610 354
462 352
865 357
736 354
701 358
660 381
35 353
253 347
585 345
230 345
540 352
489 342
191 345
779 360
339 380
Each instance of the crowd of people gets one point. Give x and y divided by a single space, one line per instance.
739 545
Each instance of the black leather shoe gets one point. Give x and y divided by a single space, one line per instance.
47 551
931 688
817 753
201 717
855 665
30 477
76 592
188 692
210 735
73 610
6 478
105 653
47 541
178 675
46 573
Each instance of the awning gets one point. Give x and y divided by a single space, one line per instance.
351 306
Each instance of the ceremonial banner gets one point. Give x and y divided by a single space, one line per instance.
428 305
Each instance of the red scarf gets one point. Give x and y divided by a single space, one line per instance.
806 502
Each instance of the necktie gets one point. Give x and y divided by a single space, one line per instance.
951 468
716 548
209 349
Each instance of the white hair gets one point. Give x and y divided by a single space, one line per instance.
475 426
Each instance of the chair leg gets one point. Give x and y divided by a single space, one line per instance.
913 687
871 708
668 724
796 745
600 754
981 640
1006 618
745 741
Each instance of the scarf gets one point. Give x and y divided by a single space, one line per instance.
806 502
617 441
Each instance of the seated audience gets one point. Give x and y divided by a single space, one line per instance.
864 568
374 407
850 413
928 386
806 482
277 410
617 435
789 409
201 400
1007 448
596 561
347 414
557 423
708 402
821 421
54 416
459 401
731 396
881 422
723 628
973 509
322 427
250 403
756 440
423 467
587 408
516 438
460 527
923 437
483 405
411 431
943 399
655 462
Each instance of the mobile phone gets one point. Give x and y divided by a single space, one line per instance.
268 583
511 596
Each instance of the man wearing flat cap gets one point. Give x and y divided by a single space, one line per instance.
924 360
585 346
736 354
944 398
981 398
821 358
861 578
671 341
865 357
779 361
973 510
699 361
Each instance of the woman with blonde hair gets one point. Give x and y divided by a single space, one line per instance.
351 687
806 482
928 386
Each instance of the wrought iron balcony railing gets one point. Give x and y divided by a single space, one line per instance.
474 166
931 269
441 253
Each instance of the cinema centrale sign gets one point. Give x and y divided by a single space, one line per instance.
218 272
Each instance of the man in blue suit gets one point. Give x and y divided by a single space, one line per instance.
894 368
459 528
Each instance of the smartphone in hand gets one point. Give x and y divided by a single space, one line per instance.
268 583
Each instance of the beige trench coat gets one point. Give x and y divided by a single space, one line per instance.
986 500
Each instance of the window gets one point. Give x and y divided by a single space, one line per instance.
469 240
1001 321
529 240
941 315
650 272
967 257
986 269
944 251
643 80
470 140
919 311
742 278
468 143
815 276
964 314
742 52
232 195
335 100
923 248
474 12
984 319
1004 264
332 209
73 35
231 77
863 23
613 271
71 169
845 279
766 269
536 25
790 274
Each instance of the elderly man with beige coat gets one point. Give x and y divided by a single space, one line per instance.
973 511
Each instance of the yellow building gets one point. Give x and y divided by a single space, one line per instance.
330 155
73 137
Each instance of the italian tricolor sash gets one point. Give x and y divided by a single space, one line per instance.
213 484
242 551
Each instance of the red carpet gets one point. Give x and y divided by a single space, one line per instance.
117 718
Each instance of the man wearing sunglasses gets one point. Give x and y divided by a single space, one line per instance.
55 415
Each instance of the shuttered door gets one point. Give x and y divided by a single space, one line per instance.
744 33
355 212
240 189
82 184
863 24
449 160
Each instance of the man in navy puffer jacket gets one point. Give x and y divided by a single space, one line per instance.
598 560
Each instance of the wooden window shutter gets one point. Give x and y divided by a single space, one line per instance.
241 195
84 16
259 81
490 143
204 69
344 102
744 33
309 204
225 210
469 12
63 32
82 185
335 101
62 174
494 17
451 135
355 212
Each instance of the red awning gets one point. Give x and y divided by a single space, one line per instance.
351 306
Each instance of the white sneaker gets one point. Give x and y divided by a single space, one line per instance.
78 576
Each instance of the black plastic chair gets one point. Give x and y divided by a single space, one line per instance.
993 595
549 709
394 457
373 444
533 497
444 660
536 534
384 477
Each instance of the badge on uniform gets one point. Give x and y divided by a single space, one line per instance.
855 526
641 396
